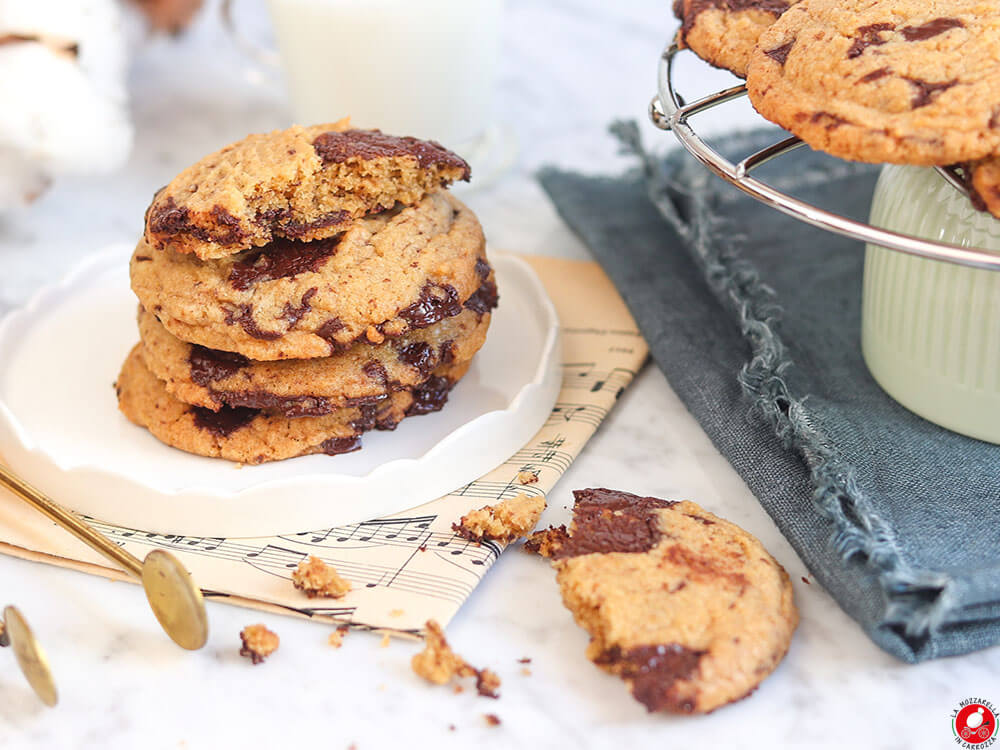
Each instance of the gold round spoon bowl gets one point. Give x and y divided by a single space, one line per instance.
172 594
29 655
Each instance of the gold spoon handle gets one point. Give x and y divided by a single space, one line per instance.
82 531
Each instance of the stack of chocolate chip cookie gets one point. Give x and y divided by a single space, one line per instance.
895 81
301 287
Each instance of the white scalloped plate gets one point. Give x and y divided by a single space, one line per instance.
61 430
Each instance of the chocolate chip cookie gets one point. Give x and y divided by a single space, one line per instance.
385 275
983 181
301 183
899 81
254 436
688 609
724 32
363 374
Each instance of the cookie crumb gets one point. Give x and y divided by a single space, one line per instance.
806 580
258 642
396 613
457 689
546 542
315 578
504 522
526 672
451 727
492 720
386 640
524 660
527 477
4 638
438 664
336 638
422 548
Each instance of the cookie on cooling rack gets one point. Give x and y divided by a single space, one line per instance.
688 609
983 181
899 81
724 32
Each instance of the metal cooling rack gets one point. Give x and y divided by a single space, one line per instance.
668 111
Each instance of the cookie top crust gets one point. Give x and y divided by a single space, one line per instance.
363 374
689 609
899 81
253 436
301 183
387 274
725 32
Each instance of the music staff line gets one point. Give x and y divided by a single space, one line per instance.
273 558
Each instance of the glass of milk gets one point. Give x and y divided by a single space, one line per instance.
424 68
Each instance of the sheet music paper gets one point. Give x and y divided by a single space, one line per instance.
409 567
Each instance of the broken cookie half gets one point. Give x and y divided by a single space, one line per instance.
688 609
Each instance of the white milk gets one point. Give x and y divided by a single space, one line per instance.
409 67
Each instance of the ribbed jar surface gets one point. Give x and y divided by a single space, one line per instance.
931 330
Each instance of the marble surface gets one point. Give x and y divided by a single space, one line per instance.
569 67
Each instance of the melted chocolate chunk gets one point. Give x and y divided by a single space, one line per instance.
281 259
166 217
336 446
431 396
208 365
655 672
335 148
289 406
926 91
930 29
484 299
780 54
829 120
294 314
435 303
223 422
420 355
868 36
876 75
280 220
367 415
446 352
483 269
611 521
328 332
697 7
244 316
376 371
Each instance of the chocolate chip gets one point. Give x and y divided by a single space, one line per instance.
244 316
376 371
223 422
780 54
875 75
294 314
611 521
431 396
436 302
926 91
930 29
329 330
289 406
336 446
282 258
655 672
484 299
420 355
828 120
142 258
208 365
868 36
334 148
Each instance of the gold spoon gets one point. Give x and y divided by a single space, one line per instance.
173 596
30 656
